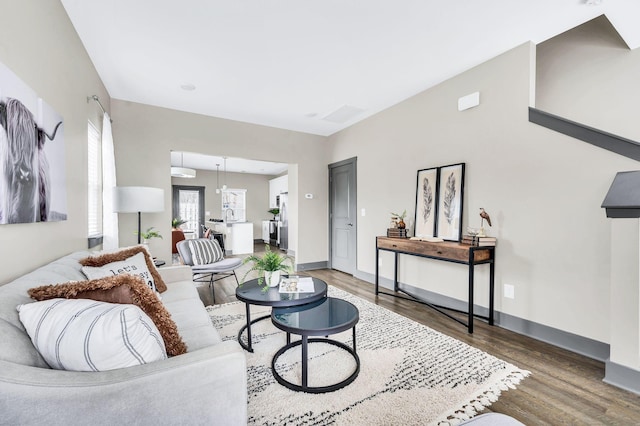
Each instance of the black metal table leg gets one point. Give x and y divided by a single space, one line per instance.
471 295
377 269
491 291
304 361
247 346
354 338
395 272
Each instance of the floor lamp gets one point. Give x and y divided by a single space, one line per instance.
138 199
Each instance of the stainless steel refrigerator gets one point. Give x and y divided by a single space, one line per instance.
283 224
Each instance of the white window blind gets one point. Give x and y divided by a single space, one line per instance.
94 182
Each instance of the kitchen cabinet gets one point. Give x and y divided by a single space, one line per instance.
238 237
265 231
277 186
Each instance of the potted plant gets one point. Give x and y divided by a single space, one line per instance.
148 234
400 219
177 234
176 223
275 212
268 267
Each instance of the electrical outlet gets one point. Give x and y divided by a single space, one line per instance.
509 291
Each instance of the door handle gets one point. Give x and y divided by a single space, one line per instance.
349 224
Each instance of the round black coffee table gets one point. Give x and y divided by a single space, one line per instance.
251 293
322 318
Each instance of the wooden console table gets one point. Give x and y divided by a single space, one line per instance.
448 252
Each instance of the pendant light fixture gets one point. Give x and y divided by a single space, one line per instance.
224 187
217 178
182 172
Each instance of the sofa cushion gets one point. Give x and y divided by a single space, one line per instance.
120 255
120 289
14 293
87 335
17 346
134 265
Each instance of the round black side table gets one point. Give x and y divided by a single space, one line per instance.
322 318
251 293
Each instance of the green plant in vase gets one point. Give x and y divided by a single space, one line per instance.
149 234
400 219
275 212
176 223
269 267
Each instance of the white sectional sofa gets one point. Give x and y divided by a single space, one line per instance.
207 385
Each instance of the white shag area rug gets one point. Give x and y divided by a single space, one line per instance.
409 373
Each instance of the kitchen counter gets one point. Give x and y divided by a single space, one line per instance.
238 236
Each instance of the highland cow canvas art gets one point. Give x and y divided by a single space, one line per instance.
32 156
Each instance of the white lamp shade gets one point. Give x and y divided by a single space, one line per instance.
134 199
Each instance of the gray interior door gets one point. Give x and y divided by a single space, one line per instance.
342 207
188 204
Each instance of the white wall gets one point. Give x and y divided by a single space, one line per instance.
41 47
588 75
543 191
144 136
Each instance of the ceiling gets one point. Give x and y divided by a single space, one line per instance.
315 66
198 161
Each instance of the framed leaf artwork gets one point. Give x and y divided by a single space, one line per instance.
450 197
426 202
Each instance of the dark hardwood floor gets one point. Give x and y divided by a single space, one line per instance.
564 388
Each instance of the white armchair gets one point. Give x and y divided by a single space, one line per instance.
209 272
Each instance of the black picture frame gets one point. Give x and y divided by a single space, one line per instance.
450 202
426 210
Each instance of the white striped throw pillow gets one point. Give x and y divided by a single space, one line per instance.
87 335
204 252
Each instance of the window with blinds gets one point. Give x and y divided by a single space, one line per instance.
94 182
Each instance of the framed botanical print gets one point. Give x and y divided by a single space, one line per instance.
450 197
426 202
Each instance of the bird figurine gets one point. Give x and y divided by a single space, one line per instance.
484 216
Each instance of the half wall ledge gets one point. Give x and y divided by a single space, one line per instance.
610 142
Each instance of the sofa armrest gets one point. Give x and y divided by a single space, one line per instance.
207 386
172 274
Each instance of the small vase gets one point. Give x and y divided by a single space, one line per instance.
401 224
272 278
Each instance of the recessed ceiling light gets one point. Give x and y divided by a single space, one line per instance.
188 87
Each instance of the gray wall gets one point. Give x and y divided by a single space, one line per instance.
41 47
588 75
144 136
543 191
